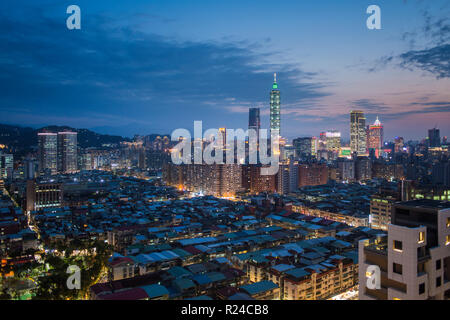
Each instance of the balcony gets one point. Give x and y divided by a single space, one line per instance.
379 294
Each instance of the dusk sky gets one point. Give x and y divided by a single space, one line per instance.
145 66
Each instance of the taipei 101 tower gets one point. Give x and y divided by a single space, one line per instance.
275 106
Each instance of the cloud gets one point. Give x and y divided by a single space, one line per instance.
425 108
433 57
118 70
435 60
370 105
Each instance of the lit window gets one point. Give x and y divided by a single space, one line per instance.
396 299
448 222
421 237
447 240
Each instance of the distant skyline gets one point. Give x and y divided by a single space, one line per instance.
153 66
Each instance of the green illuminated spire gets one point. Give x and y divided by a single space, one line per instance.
275 85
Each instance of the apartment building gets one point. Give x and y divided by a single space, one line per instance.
414 258
320 281
380 211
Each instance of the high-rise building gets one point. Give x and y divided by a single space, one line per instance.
375 138
304 147
363 169
254 182
345 170
223 180
413 260
440 174
254 121
287 151
314 146
333 140
47 154
398 144
282 179
67 152
6 165
358 132
434 138
31 168
287 177
275 106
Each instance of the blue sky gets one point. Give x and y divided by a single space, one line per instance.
153 66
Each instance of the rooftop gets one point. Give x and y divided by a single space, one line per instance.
427 203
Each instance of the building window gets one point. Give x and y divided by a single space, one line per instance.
398 246
397 268
438 282
422 288
421 237
438 264
447 239
448 222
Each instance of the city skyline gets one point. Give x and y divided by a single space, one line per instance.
132 69
225 151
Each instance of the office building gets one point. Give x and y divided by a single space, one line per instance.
434 138
358 132
375 138
67 152
41 195
254 120
333 140
6 165
48 152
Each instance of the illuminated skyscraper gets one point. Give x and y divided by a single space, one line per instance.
358 132
47 154
67 152
6 165
375 138
330 141
275 106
